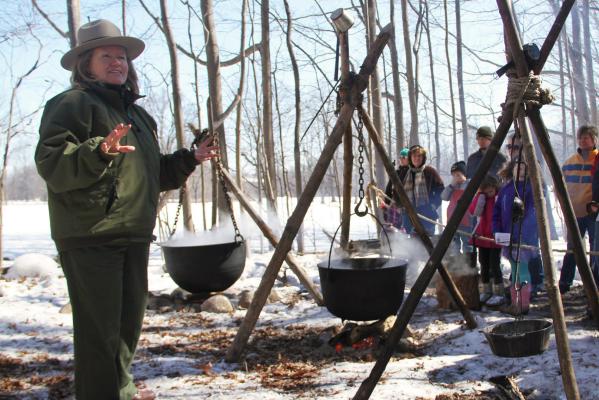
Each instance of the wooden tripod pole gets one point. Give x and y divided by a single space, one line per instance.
356 86
348 156
418 227
272 238
557 311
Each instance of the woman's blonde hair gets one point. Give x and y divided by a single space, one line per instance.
82 78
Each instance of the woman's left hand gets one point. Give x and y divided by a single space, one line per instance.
205 151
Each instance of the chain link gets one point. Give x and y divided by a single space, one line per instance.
219 174
361 146
221 178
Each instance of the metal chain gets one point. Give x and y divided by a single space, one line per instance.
181 194
361 146
219 174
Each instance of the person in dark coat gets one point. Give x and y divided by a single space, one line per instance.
392 211
99 154
484 135
423 185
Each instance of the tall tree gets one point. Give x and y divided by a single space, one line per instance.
267 127
588 59
433 86
298 119
73 20
177 109
375 94
397 99
410 74
450 82
582 107
460 77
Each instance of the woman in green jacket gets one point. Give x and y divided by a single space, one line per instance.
99 155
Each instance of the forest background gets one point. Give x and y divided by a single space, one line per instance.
268 69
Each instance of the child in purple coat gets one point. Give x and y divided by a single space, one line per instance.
514 214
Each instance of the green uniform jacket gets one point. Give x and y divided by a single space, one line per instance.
95 198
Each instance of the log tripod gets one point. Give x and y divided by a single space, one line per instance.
353 86
514 47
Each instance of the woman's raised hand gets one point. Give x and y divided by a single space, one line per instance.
206 150
111 143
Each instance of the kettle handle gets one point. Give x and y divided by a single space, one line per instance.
360 215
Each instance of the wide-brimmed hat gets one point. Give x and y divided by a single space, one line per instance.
101 33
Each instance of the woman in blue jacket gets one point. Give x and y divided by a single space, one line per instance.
514 214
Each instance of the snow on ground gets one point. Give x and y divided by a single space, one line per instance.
181 352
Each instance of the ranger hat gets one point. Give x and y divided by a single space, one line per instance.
101 33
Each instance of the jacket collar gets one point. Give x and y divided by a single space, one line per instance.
118 96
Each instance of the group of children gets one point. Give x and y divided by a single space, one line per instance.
500 221
501 212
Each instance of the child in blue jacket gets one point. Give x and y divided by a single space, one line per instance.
514 214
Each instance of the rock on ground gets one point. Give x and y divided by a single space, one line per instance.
217 304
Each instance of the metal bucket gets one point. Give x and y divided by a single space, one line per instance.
363 289
519 338
204 269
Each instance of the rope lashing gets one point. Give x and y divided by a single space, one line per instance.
526 90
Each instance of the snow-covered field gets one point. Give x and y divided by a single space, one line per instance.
181 352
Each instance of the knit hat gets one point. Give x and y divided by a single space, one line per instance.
485 132
458 166
404 152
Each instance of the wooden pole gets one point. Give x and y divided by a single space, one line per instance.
557 311
561 193
348 156
409 305
269 234
357 85
412 214
514 47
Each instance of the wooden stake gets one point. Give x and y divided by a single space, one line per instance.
269 234
514 47
348 156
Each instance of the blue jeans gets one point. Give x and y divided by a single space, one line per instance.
595 259
585 224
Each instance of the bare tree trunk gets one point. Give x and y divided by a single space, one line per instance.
397 99
432 68
562 89
240 94
377 109
460 77
284 183
582 108
588 59
572 97
124 17
178 112
298 120
215 91
73 20
410 74
269 143
450 80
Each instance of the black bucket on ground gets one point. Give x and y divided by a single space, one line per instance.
208 268
363 289
519 338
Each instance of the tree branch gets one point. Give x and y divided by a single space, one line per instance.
47 18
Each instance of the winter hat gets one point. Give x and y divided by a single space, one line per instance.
485 132
458 166
100 33
404 152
